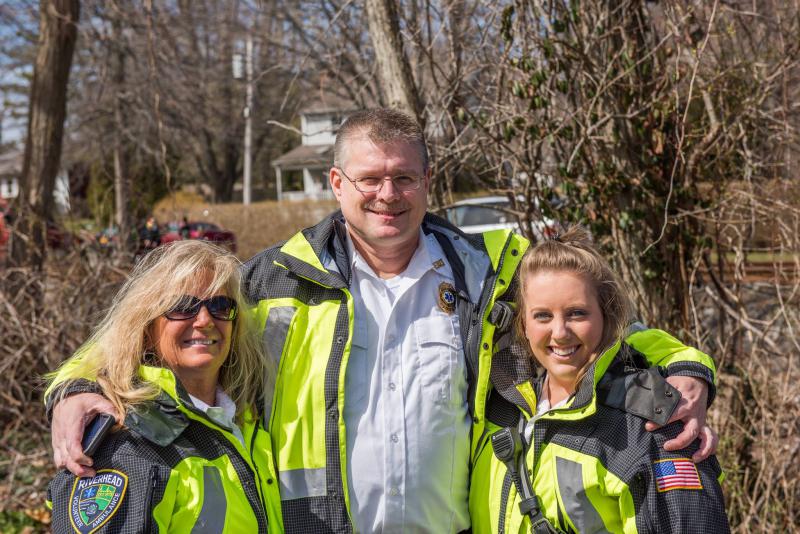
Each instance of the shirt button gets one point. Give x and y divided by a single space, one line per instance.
390 339
392 387
394 438
394 492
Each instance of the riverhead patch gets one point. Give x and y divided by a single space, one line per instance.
94 500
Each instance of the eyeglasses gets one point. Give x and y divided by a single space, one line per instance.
373 184
220 307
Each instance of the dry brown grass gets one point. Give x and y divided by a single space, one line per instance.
256 226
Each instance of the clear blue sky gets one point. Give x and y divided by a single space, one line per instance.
18 24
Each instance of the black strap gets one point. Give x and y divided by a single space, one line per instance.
529 502
501 315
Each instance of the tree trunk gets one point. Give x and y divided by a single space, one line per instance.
394 72
47 110
230 147
121 179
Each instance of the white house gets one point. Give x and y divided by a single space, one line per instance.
302 173
11 169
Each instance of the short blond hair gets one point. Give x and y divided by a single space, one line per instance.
382 126
120 343
574 252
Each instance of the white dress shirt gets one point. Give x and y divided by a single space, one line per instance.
223 413
406 409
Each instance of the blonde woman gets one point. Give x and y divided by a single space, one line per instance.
177 359
579 459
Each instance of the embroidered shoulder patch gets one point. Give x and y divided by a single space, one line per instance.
676 473
94 500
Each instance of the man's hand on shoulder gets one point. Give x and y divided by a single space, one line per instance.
692 411
70 417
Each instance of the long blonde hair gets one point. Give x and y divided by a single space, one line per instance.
574 252
121 342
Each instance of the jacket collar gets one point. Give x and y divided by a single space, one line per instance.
612 382
308 251
163 419
524 393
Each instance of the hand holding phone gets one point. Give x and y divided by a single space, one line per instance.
95 432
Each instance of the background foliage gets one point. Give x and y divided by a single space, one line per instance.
670 129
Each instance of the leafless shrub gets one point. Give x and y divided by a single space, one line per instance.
746 313
44 316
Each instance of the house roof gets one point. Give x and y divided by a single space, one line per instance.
325 102
306 156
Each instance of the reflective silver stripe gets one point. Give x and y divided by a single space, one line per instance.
299 483
212 514
578 506
275 331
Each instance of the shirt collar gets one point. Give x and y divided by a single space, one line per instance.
427 256
223 402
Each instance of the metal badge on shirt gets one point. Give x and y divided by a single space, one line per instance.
447 298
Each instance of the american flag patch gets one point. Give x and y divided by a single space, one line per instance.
676 473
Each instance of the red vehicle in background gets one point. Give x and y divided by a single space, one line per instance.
56 237
177 231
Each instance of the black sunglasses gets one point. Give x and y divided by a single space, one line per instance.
220 307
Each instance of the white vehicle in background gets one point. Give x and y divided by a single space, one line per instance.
481 214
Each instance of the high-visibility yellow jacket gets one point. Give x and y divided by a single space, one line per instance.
593 466
302 302
172 469
302 297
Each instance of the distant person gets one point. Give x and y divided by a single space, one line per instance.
177 361
386 322
578 458
150 234
185 228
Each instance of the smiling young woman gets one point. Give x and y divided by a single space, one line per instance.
580 457
563 323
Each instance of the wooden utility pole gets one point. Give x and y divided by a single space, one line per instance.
248 121
394 72
58 32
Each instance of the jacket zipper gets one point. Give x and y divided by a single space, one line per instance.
476 343
154 479
208 422
261 510
255 467
346 296
261 513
